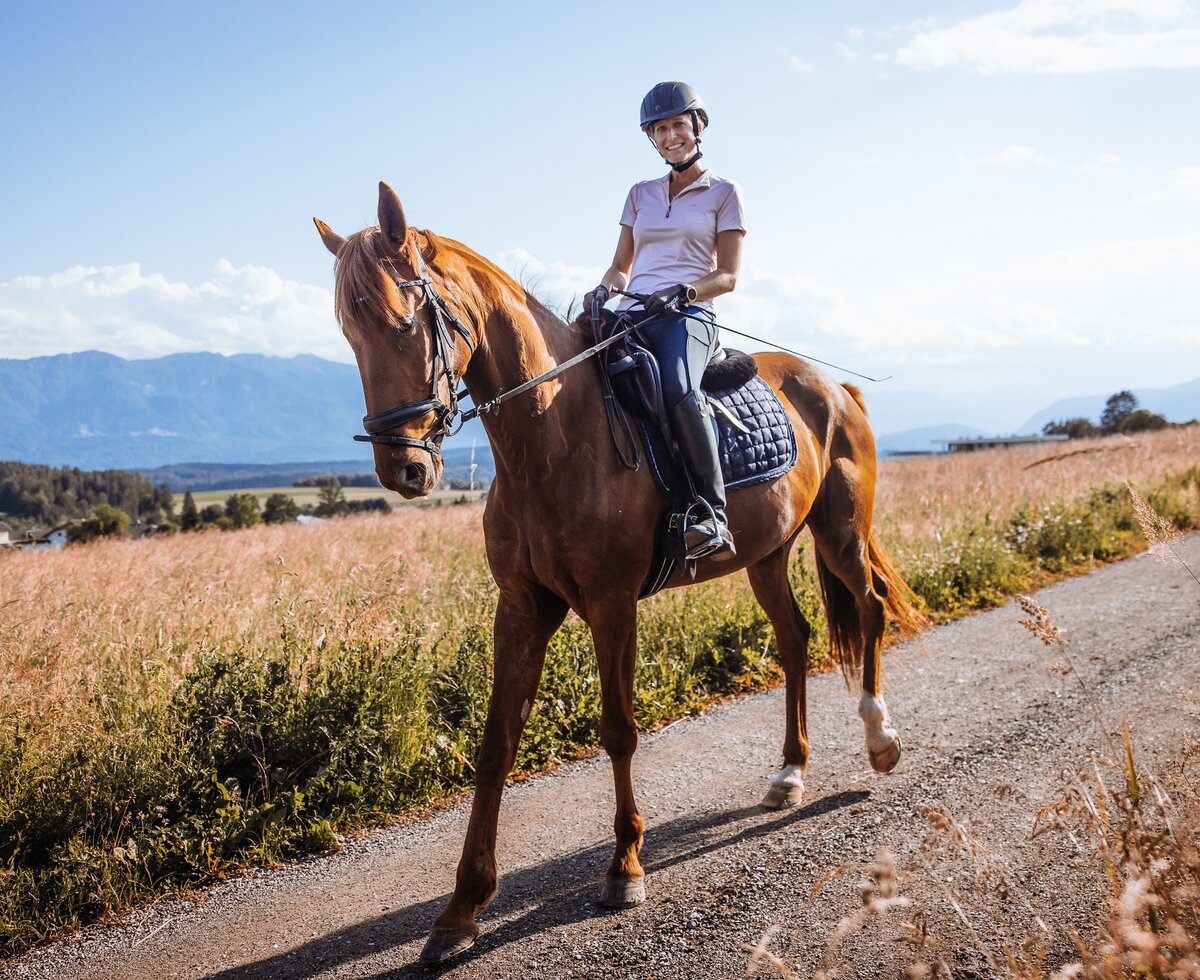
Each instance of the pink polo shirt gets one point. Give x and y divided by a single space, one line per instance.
676 241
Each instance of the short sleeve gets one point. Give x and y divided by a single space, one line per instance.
730 216
629 213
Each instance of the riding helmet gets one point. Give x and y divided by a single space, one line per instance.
669 99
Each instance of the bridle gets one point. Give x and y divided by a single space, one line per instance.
446 415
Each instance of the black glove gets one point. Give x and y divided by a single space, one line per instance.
670 298
597 296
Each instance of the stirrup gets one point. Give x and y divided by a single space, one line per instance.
706 529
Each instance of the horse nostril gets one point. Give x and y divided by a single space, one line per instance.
413 475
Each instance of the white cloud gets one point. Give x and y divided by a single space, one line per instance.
1016 156
126 311
1064 37
798 64
1183 187
554 283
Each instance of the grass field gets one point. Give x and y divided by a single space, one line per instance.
310 495
174 709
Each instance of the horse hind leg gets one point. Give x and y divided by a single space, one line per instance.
769 580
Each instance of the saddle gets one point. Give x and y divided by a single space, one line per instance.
756 442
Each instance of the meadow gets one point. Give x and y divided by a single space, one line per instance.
311 496
172 710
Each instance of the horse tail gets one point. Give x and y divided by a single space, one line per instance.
856 395
841 611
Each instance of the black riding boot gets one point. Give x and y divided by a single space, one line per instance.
696 436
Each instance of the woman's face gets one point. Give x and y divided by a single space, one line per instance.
674 138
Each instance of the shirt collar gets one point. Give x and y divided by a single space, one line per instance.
704 180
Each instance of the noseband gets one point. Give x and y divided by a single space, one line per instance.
445 415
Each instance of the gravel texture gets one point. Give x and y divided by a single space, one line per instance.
987 730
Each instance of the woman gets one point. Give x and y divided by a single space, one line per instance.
681 243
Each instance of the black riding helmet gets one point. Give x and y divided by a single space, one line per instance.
669 99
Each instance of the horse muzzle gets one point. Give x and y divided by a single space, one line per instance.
406 473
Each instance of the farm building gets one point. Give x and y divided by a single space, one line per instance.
53 540
997 442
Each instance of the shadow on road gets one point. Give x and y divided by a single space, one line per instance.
556 892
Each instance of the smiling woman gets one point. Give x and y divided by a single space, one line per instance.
681 244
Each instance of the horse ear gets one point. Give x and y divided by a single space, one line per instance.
333 241
391 217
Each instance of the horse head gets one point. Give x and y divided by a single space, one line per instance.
410 361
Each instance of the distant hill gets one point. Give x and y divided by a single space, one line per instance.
900 411
97 411
1179 403
928 439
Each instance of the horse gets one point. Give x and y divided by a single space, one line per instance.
568 527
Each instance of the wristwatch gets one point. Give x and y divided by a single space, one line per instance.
688 292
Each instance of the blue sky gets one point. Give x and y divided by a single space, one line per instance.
998 202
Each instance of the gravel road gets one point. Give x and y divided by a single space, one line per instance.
987 730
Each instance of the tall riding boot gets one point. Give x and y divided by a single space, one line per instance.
696 435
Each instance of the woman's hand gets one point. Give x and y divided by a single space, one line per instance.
671 297
599 295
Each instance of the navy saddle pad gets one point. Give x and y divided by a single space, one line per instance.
765 453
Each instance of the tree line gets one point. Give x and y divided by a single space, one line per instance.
35 494
1121 415
243 510
106 503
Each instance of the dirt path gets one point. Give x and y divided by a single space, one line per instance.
982 718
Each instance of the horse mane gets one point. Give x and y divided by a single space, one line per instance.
366 277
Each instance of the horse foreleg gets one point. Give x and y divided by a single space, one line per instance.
525 621
769 579
614 631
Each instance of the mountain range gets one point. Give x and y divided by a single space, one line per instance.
99 411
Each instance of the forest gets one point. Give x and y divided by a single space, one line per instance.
32 494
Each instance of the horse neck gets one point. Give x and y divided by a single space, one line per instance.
519 340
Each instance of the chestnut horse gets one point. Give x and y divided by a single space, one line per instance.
569 528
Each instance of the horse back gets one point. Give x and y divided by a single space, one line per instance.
829 415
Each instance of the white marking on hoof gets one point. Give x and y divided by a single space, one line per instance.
786 789
883 742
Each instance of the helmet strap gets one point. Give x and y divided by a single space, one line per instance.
687 164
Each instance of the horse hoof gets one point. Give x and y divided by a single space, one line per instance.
885 760
443 945
786 789
623 893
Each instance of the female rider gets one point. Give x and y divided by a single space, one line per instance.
681 243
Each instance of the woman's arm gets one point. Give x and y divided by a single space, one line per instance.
617 276
723 278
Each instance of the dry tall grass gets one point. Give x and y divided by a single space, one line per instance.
144 610
920 498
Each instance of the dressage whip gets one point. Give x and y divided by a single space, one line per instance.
492 404
749 336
